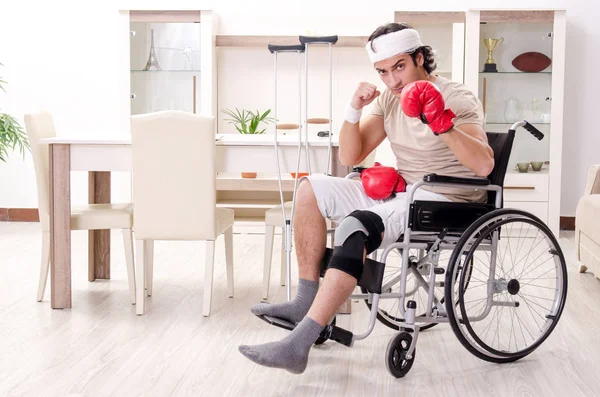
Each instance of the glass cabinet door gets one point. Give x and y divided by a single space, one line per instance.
515 83
165 65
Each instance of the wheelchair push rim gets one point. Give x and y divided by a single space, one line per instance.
518 288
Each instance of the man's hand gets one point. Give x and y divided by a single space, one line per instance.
423 99
364 95
381 182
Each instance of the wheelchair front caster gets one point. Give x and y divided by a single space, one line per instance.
396 362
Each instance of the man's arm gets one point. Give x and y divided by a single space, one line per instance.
468 141
469 144
360 139
360 136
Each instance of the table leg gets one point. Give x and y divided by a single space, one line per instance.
60 226
98 240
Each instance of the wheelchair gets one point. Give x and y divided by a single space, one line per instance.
496 275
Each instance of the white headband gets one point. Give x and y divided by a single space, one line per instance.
403 41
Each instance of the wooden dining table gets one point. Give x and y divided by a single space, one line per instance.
99 157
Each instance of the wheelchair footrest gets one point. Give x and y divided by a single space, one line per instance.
338 334
278 322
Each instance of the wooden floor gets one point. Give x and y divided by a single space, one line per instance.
101 348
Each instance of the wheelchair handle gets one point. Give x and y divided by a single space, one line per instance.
358 169
529 127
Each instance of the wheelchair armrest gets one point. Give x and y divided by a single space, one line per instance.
435 178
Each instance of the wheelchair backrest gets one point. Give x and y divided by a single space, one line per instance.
501 143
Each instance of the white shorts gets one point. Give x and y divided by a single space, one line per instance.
338 197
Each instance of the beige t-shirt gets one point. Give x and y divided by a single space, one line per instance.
418 151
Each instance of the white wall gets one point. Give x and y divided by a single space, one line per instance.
60 57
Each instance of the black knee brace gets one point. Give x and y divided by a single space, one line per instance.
359 230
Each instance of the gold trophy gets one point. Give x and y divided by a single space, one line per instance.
490 65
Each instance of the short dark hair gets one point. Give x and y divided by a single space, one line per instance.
428 59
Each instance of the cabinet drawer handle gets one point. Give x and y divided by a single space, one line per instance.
520 187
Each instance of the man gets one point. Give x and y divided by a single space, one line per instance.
434 126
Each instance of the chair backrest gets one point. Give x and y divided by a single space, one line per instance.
501 143
174 177
39 126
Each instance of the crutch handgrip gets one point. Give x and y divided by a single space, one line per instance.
286 48
288 126
319 40
318 121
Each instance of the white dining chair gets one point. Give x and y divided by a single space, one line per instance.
39 126
174 192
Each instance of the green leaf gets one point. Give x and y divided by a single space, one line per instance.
247 121
11 136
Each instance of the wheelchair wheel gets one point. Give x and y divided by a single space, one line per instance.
388 312
395 355
517 290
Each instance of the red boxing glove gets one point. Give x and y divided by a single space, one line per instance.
423 99
381 182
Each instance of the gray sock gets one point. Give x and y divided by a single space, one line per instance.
294 310
290 353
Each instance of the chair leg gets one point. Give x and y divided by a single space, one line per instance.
128 243
140 271
208 276
267 258
45 265
229 259
283 258
149 247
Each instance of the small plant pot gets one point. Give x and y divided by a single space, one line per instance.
300 175
249 175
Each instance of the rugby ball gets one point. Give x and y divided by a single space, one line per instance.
531 62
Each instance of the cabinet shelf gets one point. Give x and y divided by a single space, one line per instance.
523 73
164 71
509 124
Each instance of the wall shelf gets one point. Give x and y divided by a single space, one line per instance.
517 16
263 41
429 17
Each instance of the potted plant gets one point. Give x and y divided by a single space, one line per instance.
11 133
247 122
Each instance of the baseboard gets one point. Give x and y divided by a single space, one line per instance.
19 215
567 223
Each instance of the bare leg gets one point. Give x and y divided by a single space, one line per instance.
336 287
310 232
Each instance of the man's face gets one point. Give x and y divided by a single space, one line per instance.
400 70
